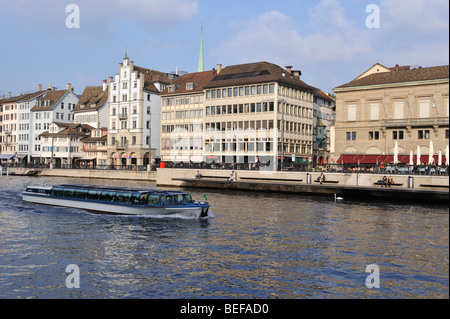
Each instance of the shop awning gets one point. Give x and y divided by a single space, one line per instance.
6 156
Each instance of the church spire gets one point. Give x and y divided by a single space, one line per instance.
201 61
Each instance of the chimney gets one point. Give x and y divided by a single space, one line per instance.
289 68
219 68
69 86
105 85
39 87
396 67
9 94
296 73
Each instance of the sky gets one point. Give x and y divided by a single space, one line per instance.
330 41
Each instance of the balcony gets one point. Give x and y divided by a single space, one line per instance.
123 116
415 122
121 146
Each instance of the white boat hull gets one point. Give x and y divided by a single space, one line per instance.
105 208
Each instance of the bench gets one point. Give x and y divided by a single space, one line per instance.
382 184
271 179
326 182
207 176
434 186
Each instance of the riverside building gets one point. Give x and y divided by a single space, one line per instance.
55 106
134 108
182 118
383 106
258 113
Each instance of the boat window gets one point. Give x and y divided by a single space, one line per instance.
56 191
68 192
143 199
188 199
122 198
107 196
80 193
94 194
153 200
163 199
178 199
135 199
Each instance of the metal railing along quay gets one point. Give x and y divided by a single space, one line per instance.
431 170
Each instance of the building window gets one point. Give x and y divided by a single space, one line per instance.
374 111
446 134
374 135
351 115
397 135
349 136
424 134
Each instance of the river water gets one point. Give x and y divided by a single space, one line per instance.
253 246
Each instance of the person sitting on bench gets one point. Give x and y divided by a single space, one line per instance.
322 178
199 175
390 181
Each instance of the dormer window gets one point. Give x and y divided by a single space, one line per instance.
189 86
82 106
93 104
172 88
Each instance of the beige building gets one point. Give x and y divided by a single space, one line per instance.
383 106
258 112
182 118
135 114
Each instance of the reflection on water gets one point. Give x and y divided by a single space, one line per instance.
254 246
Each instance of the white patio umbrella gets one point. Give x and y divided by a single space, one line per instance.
440 158
446 155
431 153
418 155
411 158
396 153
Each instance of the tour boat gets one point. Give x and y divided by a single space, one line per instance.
117 201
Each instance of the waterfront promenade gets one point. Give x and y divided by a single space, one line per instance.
409 188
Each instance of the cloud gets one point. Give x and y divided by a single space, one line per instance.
101 16
415 17
333 47
274 36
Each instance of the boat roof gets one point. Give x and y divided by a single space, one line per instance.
122 189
